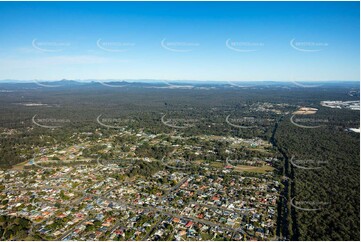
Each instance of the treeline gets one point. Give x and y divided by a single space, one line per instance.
144 168
323 167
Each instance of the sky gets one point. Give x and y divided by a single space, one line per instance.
204 41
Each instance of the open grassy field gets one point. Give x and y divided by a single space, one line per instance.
260 169
20 166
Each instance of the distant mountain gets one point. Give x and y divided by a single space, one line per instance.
171 84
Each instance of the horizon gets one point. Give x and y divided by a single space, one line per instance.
173 81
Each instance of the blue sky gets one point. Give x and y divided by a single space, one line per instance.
228 41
